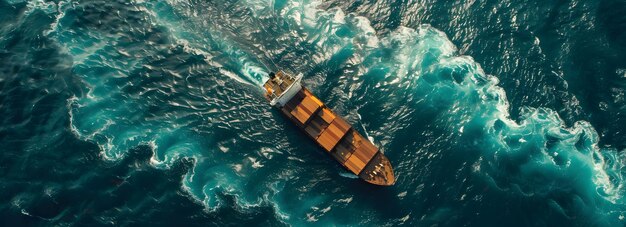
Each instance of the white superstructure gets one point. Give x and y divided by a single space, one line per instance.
288 93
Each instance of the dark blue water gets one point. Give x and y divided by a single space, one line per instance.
493 113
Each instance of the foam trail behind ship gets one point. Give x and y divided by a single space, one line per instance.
115 113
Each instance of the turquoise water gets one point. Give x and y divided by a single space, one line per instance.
151 112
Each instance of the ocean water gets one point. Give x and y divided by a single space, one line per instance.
493 113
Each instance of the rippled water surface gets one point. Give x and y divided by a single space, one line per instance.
497 113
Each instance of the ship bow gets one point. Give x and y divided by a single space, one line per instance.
379 171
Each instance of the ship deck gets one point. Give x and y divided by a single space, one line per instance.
277 85
333 133
339 139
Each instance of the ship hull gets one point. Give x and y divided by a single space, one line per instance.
330 131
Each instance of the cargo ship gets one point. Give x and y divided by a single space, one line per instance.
329 130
